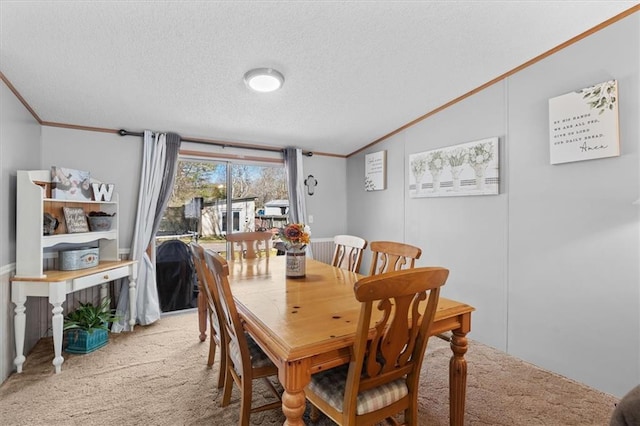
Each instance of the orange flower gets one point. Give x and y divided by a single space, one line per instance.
295 233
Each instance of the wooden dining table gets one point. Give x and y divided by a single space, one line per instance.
306 325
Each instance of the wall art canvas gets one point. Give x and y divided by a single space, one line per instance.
466 169
70 184
583 125
375 171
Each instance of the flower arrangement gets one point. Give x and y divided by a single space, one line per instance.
295 234
457 157
480 154
435 161
419 166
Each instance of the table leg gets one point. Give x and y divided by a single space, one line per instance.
56 324
457 378
132 296
104 292
19 324
57 296
202 316
294 376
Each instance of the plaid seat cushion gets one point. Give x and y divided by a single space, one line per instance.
330 385
258 357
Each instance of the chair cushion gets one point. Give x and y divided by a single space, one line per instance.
258 357
330 385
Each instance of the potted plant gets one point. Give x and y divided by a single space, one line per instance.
87 327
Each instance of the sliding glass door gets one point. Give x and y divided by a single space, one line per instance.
203 209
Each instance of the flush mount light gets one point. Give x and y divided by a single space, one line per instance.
264 79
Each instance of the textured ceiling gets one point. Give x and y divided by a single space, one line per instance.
354 71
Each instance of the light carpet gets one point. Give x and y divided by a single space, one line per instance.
157 375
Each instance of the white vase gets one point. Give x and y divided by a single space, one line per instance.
296 261
435 174
455 174
419 182
480 169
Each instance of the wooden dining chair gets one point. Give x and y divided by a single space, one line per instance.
382 378
209 306
348 252
245 360
250 245
392 256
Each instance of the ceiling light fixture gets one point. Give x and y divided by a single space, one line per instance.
264 79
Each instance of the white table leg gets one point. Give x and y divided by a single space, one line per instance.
19 324
132 295
57 296
104 292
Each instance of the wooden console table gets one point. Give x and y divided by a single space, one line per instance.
56 285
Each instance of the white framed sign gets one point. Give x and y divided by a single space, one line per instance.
583 125
375 171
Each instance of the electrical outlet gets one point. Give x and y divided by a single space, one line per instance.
310 218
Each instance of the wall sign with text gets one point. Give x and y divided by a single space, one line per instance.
375 171
583 125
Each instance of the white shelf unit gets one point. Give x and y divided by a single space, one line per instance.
31 244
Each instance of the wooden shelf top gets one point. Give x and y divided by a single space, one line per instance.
55 275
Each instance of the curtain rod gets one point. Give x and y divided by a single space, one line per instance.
123 132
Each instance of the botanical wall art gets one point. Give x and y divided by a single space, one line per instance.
583 125
467 169
375 171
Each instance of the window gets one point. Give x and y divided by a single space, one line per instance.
236 222
200 201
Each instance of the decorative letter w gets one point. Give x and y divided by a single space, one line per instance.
102 191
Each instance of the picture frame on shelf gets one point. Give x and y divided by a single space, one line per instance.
75 219
70 184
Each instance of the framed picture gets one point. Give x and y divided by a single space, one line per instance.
375 171
75 219
70 184
466 169
583 125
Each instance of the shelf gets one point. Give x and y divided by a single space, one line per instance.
57 200
78 238
32 202
54 275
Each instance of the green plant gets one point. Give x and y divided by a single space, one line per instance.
88 317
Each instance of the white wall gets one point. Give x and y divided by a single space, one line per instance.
108 157
328 204
551 263
19 149
573 231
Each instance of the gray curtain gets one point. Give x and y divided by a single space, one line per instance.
169 178
295 186
160 157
